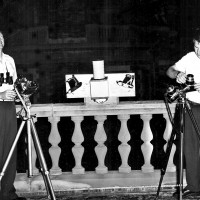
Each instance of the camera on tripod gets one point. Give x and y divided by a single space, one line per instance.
25 87
174 92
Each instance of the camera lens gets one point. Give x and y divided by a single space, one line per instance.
170 89
190 79
190 82
172 93
1 79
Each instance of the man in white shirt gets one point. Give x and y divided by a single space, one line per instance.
190 64
8 123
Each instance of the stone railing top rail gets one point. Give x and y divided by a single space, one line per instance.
80 109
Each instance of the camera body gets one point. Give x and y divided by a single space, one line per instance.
25 87
174 92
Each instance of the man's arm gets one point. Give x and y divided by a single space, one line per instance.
172 72
178 75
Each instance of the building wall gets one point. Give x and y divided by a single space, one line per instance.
68 43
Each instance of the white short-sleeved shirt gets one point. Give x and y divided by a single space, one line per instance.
8 65
190 64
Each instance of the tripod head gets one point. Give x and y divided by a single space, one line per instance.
24 89
179 92
175 93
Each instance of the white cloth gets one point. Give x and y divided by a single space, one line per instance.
190 64
7 64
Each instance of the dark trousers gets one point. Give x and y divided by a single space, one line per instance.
8 130
192 151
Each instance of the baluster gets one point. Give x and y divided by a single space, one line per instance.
124 148
54 140
101 150
78 149
167 134
147 147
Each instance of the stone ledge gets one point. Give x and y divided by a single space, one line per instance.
136 182
123 191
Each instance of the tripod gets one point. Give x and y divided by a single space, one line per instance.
184 106
27 118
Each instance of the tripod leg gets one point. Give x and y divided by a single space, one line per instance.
168 149
182 130
189 110
11 151
159 186
42 162
29 149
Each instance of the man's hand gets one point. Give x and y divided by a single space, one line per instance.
8 95
181 78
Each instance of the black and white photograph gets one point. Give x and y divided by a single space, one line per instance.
99 99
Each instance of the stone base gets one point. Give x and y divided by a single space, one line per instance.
91 181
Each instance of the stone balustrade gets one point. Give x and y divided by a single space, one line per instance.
78 177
